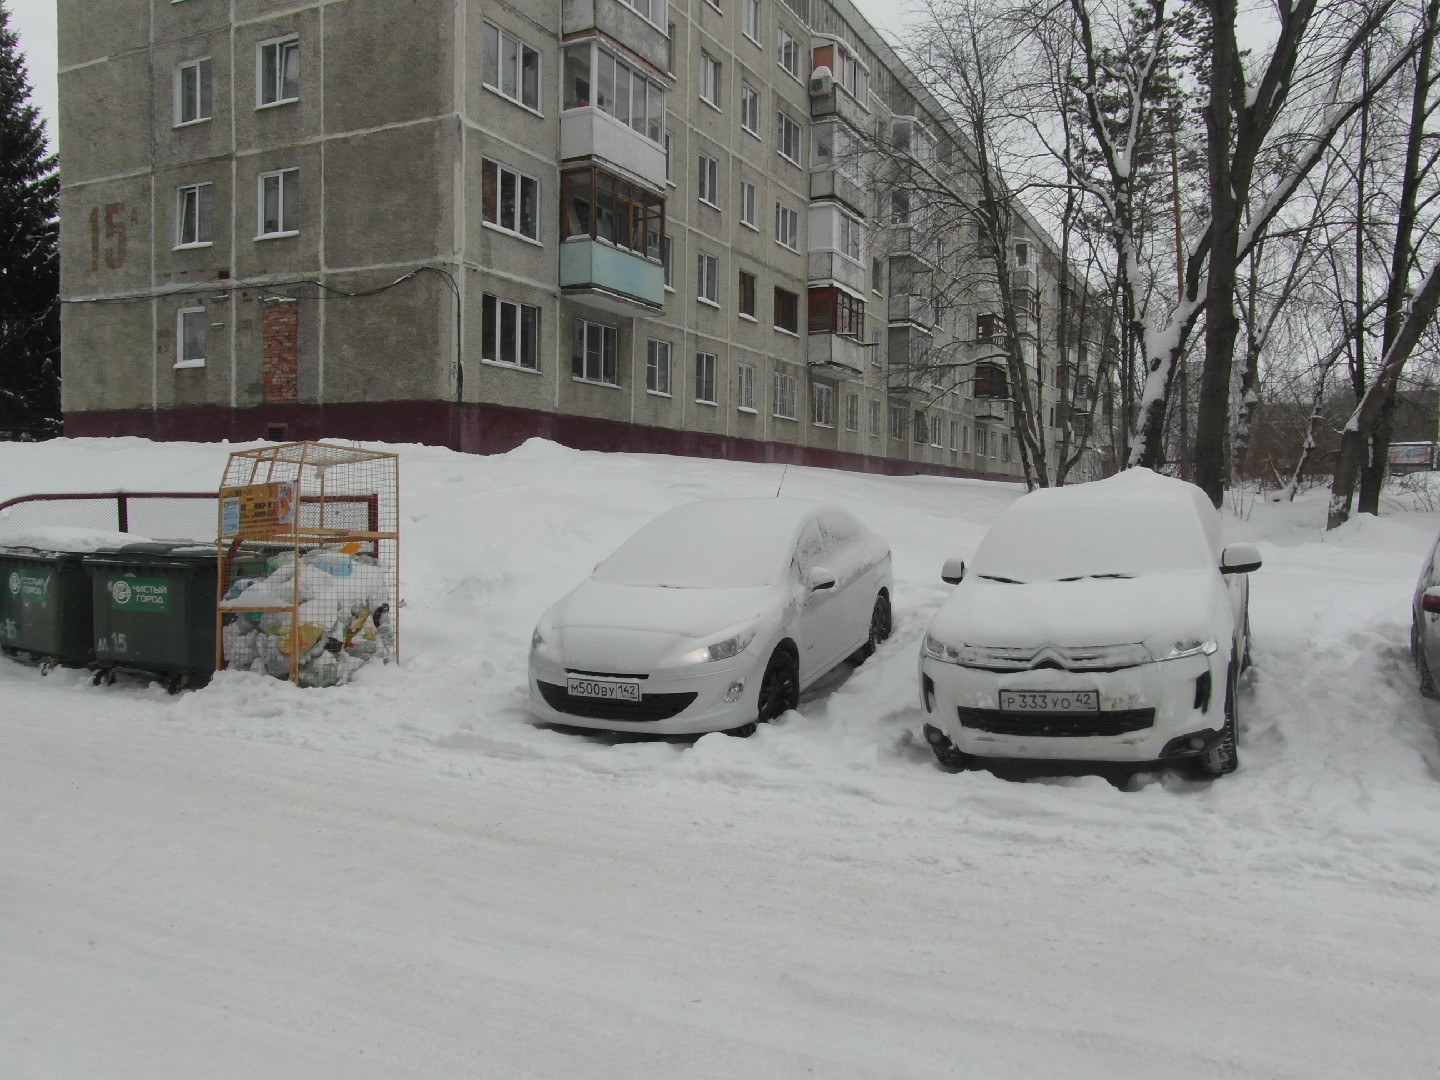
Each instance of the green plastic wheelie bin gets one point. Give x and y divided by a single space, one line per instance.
154 611
45 606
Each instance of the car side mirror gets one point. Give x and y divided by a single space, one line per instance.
820 579
1239 559
953 572
1430 600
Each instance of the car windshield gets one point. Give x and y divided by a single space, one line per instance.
726 544
1073 535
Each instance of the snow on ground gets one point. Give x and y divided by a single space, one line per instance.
403 877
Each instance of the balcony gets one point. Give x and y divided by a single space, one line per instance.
909 241
591 133
610 278
837 354
912 308
831 266
622 23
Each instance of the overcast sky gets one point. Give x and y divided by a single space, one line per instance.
34 21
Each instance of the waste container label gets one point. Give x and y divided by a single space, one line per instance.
29 588
140 594
257 509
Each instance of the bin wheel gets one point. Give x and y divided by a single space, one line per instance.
176 683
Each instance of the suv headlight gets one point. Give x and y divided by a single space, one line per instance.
943 651
1175 650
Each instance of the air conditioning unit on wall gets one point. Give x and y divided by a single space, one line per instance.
821 80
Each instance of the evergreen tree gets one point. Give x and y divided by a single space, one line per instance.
29 256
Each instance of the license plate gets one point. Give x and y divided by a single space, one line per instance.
1049 701
605 689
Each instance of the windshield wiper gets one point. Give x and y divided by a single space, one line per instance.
1001 580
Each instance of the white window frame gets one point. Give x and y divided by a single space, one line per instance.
750 19
490 351
279 176
520 180
707 278
787 237
776 320
282 48
749 109
711 80
788 46
608 338
874 428
708 184
707 365
785 124
852 412
658 358
667 260
745 388
937 432
204 88
822 405
183 316
748 316
749 205
202 194
669 160
501 37
786 402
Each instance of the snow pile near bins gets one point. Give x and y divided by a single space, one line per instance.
343 620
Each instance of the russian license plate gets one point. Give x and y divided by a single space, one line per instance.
604 689
1049 701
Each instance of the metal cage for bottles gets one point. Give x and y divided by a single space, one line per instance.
308 543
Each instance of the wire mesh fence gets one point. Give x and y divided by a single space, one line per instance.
167 515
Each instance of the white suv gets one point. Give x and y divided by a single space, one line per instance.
1099 623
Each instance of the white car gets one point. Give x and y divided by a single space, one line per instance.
1099 623
1425 623
712 617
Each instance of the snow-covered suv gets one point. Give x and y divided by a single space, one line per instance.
1102 622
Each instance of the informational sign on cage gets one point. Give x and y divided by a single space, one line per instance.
257 509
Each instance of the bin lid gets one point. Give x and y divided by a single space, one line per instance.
155 551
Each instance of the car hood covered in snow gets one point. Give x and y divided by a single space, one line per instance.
687 613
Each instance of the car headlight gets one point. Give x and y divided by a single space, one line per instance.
943 651
1178 649
722 650
536 638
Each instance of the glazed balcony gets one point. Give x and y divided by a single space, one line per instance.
590 134
610 278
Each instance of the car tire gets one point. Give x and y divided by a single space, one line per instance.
1422 665
779 686
1223 756
879 629
1245 654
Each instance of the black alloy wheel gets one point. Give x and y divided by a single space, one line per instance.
879 629
1223 756
780 686
1422 664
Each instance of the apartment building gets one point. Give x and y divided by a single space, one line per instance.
621 224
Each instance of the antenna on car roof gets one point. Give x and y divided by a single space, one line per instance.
782 480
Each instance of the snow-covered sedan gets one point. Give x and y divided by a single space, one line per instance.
1100 623
1425 623
712 617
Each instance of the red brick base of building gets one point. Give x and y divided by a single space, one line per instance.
470 428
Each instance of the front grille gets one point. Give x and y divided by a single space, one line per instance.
650 707
1057 725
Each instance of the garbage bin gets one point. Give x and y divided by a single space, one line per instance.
154 610
45 605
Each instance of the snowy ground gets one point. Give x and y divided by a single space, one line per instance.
404 878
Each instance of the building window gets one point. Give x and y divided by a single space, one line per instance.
937 432
852 412
787 311
707 281
193 215
510 201
954 436
191 326
822 405
278 72
280 203
900 207
668 258
989 329
644 7
877 277
745 388
600 206
1004 447
990 382
788 137
1022 254
192 92
746 298
705 378
917 427
593 76
595 352
786 407
750 19
852 238
789 52
669 161
512 68
750 109
709 80
787 226
709 183
835 311
657 367
749 198
965 438
897 422
874 419
510 334
994 443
